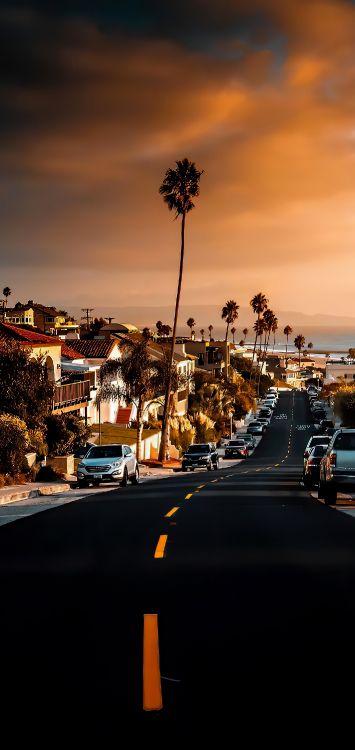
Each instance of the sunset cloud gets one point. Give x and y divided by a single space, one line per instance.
96 105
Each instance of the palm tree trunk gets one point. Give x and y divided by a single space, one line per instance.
165 424
254 350
140 408
226 339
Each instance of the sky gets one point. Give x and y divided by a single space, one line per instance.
98 99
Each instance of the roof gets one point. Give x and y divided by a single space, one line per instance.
26 336
95 348
35 306
121 327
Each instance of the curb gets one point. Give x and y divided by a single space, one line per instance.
38 492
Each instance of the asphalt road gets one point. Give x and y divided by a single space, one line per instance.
255 597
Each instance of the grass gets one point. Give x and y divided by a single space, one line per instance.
112 433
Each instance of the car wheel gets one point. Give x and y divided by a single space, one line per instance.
321 490
216 466
330 495
209 467
192 469
124 479
82 484
135 478
307 482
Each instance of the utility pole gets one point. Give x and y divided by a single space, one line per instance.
87 316
109 319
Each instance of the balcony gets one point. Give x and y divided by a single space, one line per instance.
71 396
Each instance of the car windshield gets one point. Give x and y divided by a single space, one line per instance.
198 449
324 440
236 442
319 450
105 451
345 441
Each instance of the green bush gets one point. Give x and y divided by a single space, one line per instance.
14 442
66 433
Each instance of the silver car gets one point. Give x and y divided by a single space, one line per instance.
108 463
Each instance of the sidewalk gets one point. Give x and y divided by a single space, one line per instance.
19 492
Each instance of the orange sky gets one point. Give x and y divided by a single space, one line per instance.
267 109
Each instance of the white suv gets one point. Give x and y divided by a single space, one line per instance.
108 463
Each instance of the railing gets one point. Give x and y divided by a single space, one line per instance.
71 393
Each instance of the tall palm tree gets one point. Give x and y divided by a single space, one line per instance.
210 328
259 304
245 332
191 324
287 331
274 328
299 344
233 330
6 292
179 187
268 321
202 332
229 313
310 345
259 330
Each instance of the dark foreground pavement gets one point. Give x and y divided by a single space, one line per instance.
255 599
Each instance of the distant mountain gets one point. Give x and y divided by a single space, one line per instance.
208 314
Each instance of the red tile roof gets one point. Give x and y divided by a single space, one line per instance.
95 348
27 336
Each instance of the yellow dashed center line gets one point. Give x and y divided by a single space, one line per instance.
214 480
201 486
187 497
152 695
160 548
171 512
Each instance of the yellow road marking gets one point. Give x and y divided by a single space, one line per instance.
152 695
160 548
201 486
171 512
187 497
214 480
276 464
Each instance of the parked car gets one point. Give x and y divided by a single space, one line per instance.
256 428
200 455
108 463
264 420
82 450
265 412
314 440
324 424
249 439
312 465
236 449
337 469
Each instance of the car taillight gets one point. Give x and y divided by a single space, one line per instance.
312 461
333 459
306 454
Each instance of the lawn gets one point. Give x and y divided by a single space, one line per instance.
112 433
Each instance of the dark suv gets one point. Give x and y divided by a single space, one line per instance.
200 455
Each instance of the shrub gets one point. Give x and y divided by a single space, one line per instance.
14 441
66 433
37 442
345 406
47 474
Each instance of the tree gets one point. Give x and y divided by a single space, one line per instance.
310 345
25 390
233 331
14 441
65 433
344 406
6 292
299 343
229 314
245 333
166 330
274 328
351 354
137 379
191 324
287 331
202 332
159 326
258 303
210 328
178 189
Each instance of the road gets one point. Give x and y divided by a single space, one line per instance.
255 597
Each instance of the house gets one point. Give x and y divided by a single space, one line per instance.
212 356
94 353
69 396
111 328
43 318
338 371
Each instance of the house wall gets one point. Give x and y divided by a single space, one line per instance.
338 372
52 356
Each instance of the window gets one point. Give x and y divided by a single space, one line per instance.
105 451
126 450
345 442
